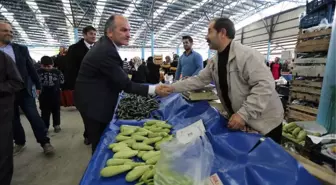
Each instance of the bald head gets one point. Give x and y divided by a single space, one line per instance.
117 29
6 33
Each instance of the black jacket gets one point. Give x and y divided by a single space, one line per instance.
10 83
74 57
140 76
25 66
60 62
154 73
100 80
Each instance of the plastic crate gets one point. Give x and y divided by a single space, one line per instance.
315 18
316 5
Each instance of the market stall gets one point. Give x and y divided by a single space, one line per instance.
240 158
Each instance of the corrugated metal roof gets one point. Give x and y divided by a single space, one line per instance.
51 22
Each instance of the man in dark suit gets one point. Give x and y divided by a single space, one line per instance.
101 78
24 99
75 55
10 83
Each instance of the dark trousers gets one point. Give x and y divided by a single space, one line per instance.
95 130
85 135
6 144
28 106
50 105
276 134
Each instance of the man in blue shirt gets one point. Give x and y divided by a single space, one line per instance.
191 62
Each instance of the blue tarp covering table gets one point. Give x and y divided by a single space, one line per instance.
240 158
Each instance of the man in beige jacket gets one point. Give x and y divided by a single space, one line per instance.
244 83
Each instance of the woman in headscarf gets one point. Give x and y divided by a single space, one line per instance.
139 71
154 71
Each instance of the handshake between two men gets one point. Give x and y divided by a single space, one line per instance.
164 90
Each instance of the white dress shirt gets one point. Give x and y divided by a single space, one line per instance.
89 46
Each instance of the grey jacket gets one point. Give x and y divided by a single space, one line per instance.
251 87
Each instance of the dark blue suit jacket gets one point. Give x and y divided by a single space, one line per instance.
26 68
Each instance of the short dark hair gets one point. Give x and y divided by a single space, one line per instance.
46 60
150 59
109 24
188 37
227 24
88 28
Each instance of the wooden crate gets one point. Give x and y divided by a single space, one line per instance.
306 35
310 61
304 109
300 116
310 90
305 96
301 113
313 45
309 71
309 67
306 83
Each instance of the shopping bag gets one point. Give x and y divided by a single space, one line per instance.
185 164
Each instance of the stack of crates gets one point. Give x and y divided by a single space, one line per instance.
310 60
316 11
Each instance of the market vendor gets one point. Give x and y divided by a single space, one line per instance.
244 84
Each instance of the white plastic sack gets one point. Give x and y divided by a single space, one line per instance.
185 164
281 81
169 78
324 24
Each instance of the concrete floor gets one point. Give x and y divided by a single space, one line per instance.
66 167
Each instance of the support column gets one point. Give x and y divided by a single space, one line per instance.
268 51
326 115
178 50
152 43
143 53
270 36
242 36
76 34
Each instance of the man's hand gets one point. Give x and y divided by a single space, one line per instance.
164 90
38 92
236 122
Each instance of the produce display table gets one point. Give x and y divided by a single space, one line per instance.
240 158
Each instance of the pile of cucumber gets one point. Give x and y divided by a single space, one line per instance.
294 133
137 142
136 107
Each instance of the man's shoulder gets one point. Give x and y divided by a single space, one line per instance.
20 46
75 45
197 56
4 56
105 47
249 53
196 53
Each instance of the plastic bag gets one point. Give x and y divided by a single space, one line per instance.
324 24
169 78
281 81
185 164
